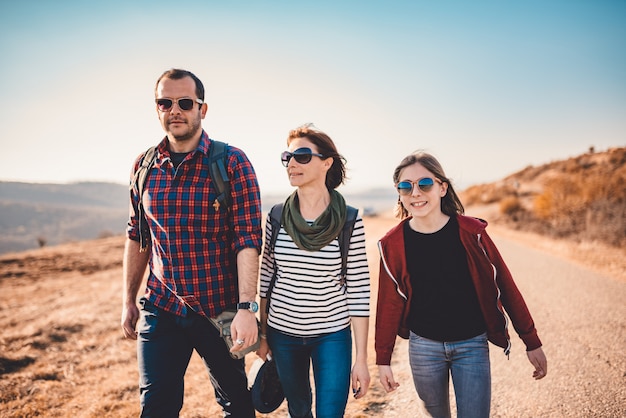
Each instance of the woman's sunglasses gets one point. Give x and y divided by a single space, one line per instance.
301 155
185 104
425 184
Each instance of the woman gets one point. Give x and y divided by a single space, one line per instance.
308 317
444 285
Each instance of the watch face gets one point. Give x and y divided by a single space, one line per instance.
251 306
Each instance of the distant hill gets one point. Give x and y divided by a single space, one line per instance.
90 194
33 215
581 198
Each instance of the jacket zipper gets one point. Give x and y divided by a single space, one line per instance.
384 261
507 350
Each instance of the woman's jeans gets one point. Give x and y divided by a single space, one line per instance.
331 356
432 362
164 347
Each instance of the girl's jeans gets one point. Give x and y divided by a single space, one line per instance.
432 362
164 346
331 356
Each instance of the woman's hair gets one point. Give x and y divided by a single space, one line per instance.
336 175
450 203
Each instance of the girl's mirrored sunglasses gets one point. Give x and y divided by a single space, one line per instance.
301 155
425 184
185 104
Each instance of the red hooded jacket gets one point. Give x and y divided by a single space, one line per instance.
492 279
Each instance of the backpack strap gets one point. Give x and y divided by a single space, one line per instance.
218 161
139 182
344 245
276 214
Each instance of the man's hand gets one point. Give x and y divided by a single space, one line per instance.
134 269
130 316
244 330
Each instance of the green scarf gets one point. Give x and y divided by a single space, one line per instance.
325 228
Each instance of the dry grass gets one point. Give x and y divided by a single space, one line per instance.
59 339
581 199
63 353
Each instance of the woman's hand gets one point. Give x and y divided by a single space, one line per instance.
360 379
264 349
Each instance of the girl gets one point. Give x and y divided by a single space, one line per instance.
444 285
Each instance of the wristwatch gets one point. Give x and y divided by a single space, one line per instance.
251 306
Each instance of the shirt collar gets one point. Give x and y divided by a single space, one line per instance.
203 147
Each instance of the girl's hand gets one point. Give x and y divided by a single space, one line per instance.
386 378
538 359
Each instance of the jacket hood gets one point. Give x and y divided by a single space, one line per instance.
472 225
468 223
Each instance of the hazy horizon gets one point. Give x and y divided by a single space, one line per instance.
488 87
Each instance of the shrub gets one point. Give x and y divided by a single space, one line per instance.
510 205
42 241
583 198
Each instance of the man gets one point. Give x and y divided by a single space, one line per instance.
202 259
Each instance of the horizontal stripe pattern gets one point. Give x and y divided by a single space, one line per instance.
307 298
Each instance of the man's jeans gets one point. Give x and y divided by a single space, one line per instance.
331 355
164 347
432 362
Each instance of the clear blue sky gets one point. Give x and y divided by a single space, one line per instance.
489 87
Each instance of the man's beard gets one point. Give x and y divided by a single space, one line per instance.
194 127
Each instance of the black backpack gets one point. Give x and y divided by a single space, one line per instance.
218 160
344 244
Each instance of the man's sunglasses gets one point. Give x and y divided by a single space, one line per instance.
425 184
301 155
185 104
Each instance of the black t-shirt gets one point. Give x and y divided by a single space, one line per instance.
444 306
177 157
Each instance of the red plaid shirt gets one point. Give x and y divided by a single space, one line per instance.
194 246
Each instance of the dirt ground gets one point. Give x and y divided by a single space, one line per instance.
62 352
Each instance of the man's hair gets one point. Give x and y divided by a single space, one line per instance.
336 175
178 74
450 203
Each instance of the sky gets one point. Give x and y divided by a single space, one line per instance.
488 87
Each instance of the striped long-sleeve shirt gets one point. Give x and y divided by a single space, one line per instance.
307 298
